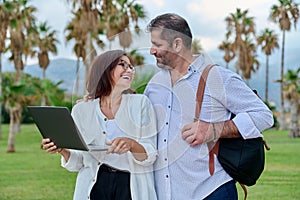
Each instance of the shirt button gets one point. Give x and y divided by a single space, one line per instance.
166 159
167 176
169 106
99 163
105 119
94 180
165 140
104 132
167 123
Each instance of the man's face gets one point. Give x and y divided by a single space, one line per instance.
162 50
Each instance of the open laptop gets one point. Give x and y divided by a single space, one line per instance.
57 124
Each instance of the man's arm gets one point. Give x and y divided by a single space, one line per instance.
226 129
201 132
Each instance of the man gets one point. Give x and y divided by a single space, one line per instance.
181 170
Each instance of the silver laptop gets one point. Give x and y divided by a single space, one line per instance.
57 124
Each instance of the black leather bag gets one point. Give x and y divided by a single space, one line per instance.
243 160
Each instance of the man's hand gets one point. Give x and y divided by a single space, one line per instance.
85 98
201 132
198 132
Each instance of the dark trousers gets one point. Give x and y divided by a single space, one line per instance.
111 184
226 191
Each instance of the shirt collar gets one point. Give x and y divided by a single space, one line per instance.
198 64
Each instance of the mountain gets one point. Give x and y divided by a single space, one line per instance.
61 69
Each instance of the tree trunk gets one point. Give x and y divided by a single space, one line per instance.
88 59
11 136
282 115
17 120
18 64
0 95
44 73
294 126
43 100
77 77
267 79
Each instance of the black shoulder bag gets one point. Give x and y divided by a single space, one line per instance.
242 159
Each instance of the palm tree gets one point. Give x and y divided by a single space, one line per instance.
15 96
111 18
136 58
242 29
248 58
129 12
21 21
196 46
268 42
46 43
85 28
291 82
75 31
4 16
227 47
119 15
27 91
284 14
49 91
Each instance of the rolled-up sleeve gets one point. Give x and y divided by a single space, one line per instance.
75 163
252 116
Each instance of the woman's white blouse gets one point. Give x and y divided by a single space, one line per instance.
135 119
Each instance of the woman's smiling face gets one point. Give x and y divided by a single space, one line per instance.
123 73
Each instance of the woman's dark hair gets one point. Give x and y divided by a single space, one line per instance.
100 81
172 26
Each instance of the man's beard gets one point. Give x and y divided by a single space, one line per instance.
162 65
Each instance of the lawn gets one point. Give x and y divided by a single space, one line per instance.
31 174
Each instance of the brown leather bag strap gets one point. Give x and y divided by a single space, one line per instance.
199 99
200 91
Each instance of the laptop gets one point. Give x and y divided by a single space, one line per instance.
57 124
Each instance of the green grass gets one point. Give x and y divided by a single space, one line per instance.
281 177
32 174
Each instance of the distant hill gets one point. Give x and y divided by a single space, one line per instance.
58 69
63 69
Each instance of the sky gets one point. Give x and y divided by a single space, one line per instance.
205 17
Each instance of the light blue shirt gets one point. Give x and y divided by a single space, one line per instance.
181 171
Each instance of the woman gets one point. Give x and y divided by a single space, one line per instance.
125 122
